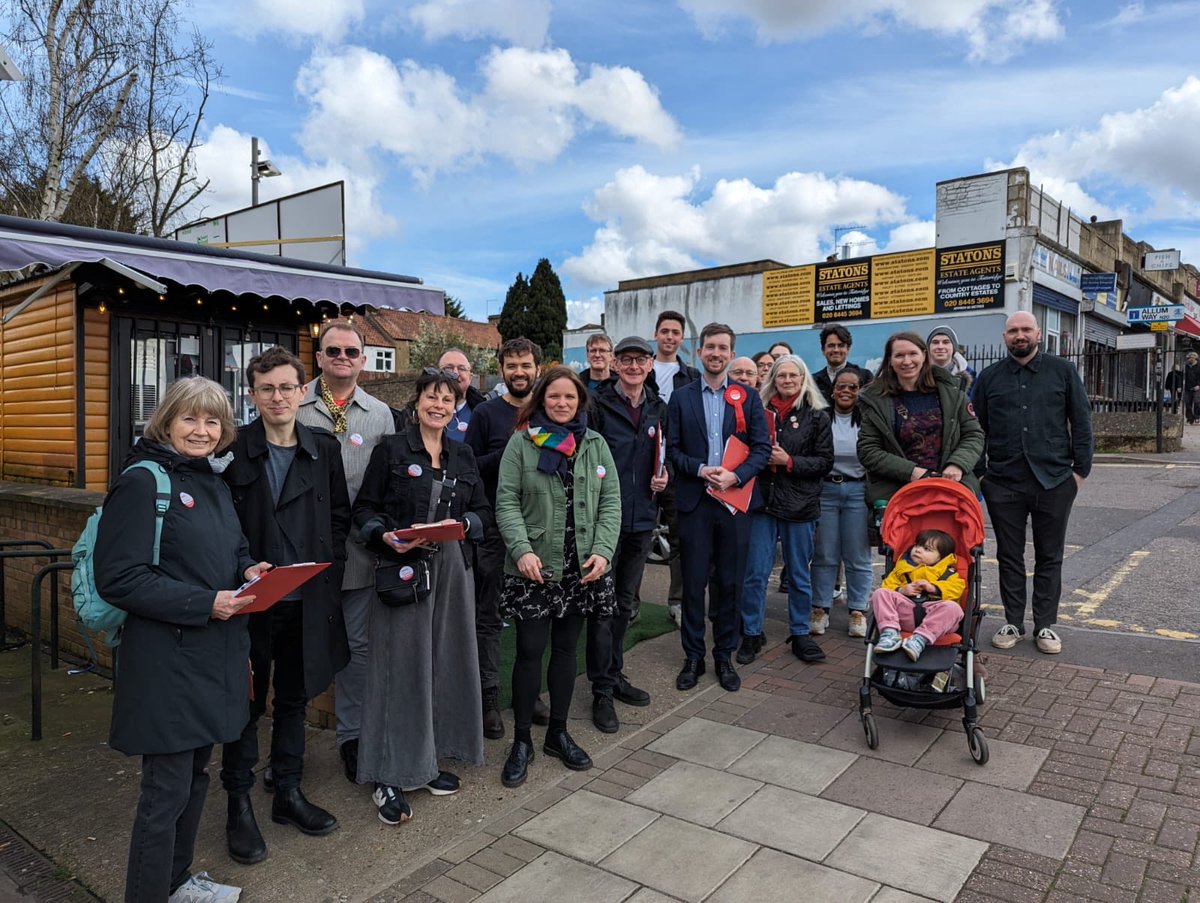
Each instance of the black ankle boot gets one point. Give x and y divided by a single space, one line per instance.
493 722
246 844
291 808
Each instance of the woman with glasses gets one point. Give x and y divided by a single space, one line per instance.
801 455
842 537
558 507
421 636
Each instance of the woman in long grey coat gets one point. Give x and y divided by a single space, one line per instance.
428 647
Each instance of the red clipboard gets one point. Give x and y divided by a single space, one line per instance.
442 531
276 583
737 498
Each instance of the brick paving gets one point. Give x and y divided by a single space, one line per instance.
1122 750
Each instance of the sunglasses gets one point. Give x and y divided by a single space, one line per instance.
334 351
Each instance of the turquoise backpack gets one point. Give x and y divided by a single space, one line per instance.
91 611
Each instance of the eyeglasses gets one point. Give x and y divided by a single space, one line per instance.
287 390
456 368
628 360
334 351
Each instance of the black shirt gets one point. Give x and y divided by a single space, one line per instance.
488 432
1037 421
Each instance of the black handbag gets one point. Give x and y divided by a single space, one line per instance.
400 583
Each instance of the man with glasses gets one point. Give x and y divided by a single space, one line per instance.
335 402
289 489
454 361
631 417
599 358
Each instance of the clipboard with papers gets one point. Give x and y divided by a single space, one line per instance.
442 531
276 583
737 498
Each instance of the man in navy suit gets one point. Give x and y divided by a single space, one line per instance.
701 417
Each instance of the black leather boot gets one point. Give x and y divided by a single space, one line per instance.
493 723
246 844
291 808
349 753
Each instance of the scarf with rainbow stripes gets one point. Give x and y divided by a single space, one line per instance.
558 441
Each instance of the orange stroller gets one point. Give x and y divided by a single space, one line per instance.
944 676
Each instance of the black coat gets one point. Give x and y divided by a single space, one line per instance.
795 495
632 450
314 511
182 679
393 497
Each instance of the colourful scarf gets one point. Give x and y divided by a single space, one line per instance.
557 441
336 411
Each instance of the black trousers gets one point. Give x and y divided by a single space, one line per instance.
286 652
666 501
1048 510
489 581
712 539
174 786
532 634
606 636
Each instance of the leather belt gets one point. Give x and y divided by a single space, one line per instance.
842 478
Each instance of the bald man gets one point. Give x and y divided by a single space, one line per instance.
744 370
1035 414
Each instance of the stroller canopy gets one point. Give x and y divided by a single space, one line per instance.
933 504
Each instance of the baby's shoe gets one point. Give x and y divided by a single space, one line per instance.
889 640
914 646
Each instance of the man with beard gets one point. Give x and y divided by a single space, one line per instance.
1035 415
491 426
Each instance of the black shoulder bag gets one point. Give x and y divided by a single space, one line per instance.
406 582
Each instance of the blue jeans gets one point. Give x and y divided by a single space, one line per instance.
843 538
797 542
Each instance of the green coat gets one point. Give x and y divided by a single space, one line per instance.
531 509
880 453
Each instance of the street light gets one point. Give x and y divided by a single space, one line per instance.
259 169
8 69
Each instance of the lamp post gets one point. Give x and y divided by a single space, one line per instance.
259 169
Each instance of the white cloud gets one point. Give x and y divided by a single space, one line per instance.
1152 149
224 157
327 20
532 104
581 313
524 23
653 224
992 29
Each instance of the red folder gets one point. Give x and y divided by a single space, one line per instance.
738 498
276 583
442 531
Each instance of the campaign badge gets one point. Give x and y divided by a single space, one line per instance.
650 432
356 440
414 470
188 501
406 573
600 471
462 427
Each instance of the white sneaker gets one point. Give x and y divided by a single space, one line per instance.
202 889
818 621
1007 637
1048 642
675 614
858 624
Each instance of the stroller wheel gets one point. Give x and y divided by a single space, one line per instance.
869 728
978 744
980 691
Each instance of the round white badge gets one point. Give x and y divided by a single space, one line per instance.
650 432
188 501
406 573
600 471
414 470
462 427
356 439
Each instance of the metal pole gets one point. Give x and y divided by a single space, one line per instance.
254 177
1158 391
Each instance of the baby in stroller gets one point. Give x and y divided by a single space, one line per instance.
925 576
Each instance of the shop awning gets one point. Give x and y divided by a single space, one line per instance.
1189 325
26 242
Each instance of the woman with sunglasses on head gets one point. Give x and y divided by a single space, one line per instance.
842 538
421 633
558 507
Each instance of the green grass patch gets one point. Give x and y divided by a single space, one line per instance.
652 622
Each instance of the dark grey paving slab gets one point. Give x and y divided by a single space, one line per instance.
706 742
694 793
785 716
586 825
891 789
899 741
774 877
555 877
793 822
804 767
909 857
1029 823
679 859
1009 765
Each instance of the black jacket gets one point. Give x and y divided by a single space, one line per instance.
397 485
825 384
795 495
182 679
314 512
632 450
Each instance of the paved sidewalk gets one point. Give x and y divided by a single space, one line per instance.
1092 793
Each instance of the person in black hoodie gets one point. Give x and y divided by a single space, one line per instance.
631 417
182 681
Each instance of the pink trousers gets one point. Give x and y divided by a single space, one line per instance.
895 610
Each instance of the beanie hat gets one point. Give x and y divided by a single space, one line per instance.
942 330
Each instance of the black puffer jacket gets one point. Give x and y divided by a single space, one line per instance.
632 450
795 494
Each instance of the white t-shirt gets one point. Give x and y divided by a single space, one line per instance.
664 375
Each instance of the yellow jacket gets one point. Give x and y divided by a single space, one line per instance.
944 575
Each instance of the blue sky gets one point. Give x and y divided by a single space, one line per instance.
624 138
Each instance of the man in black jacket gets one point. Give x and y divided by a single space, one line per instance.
631 417
835 346
454 360
289 490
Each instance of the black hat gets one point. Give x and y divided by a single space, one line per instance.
633 343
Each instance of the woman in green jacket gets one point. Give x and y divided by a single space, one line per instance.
915 420
558 507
